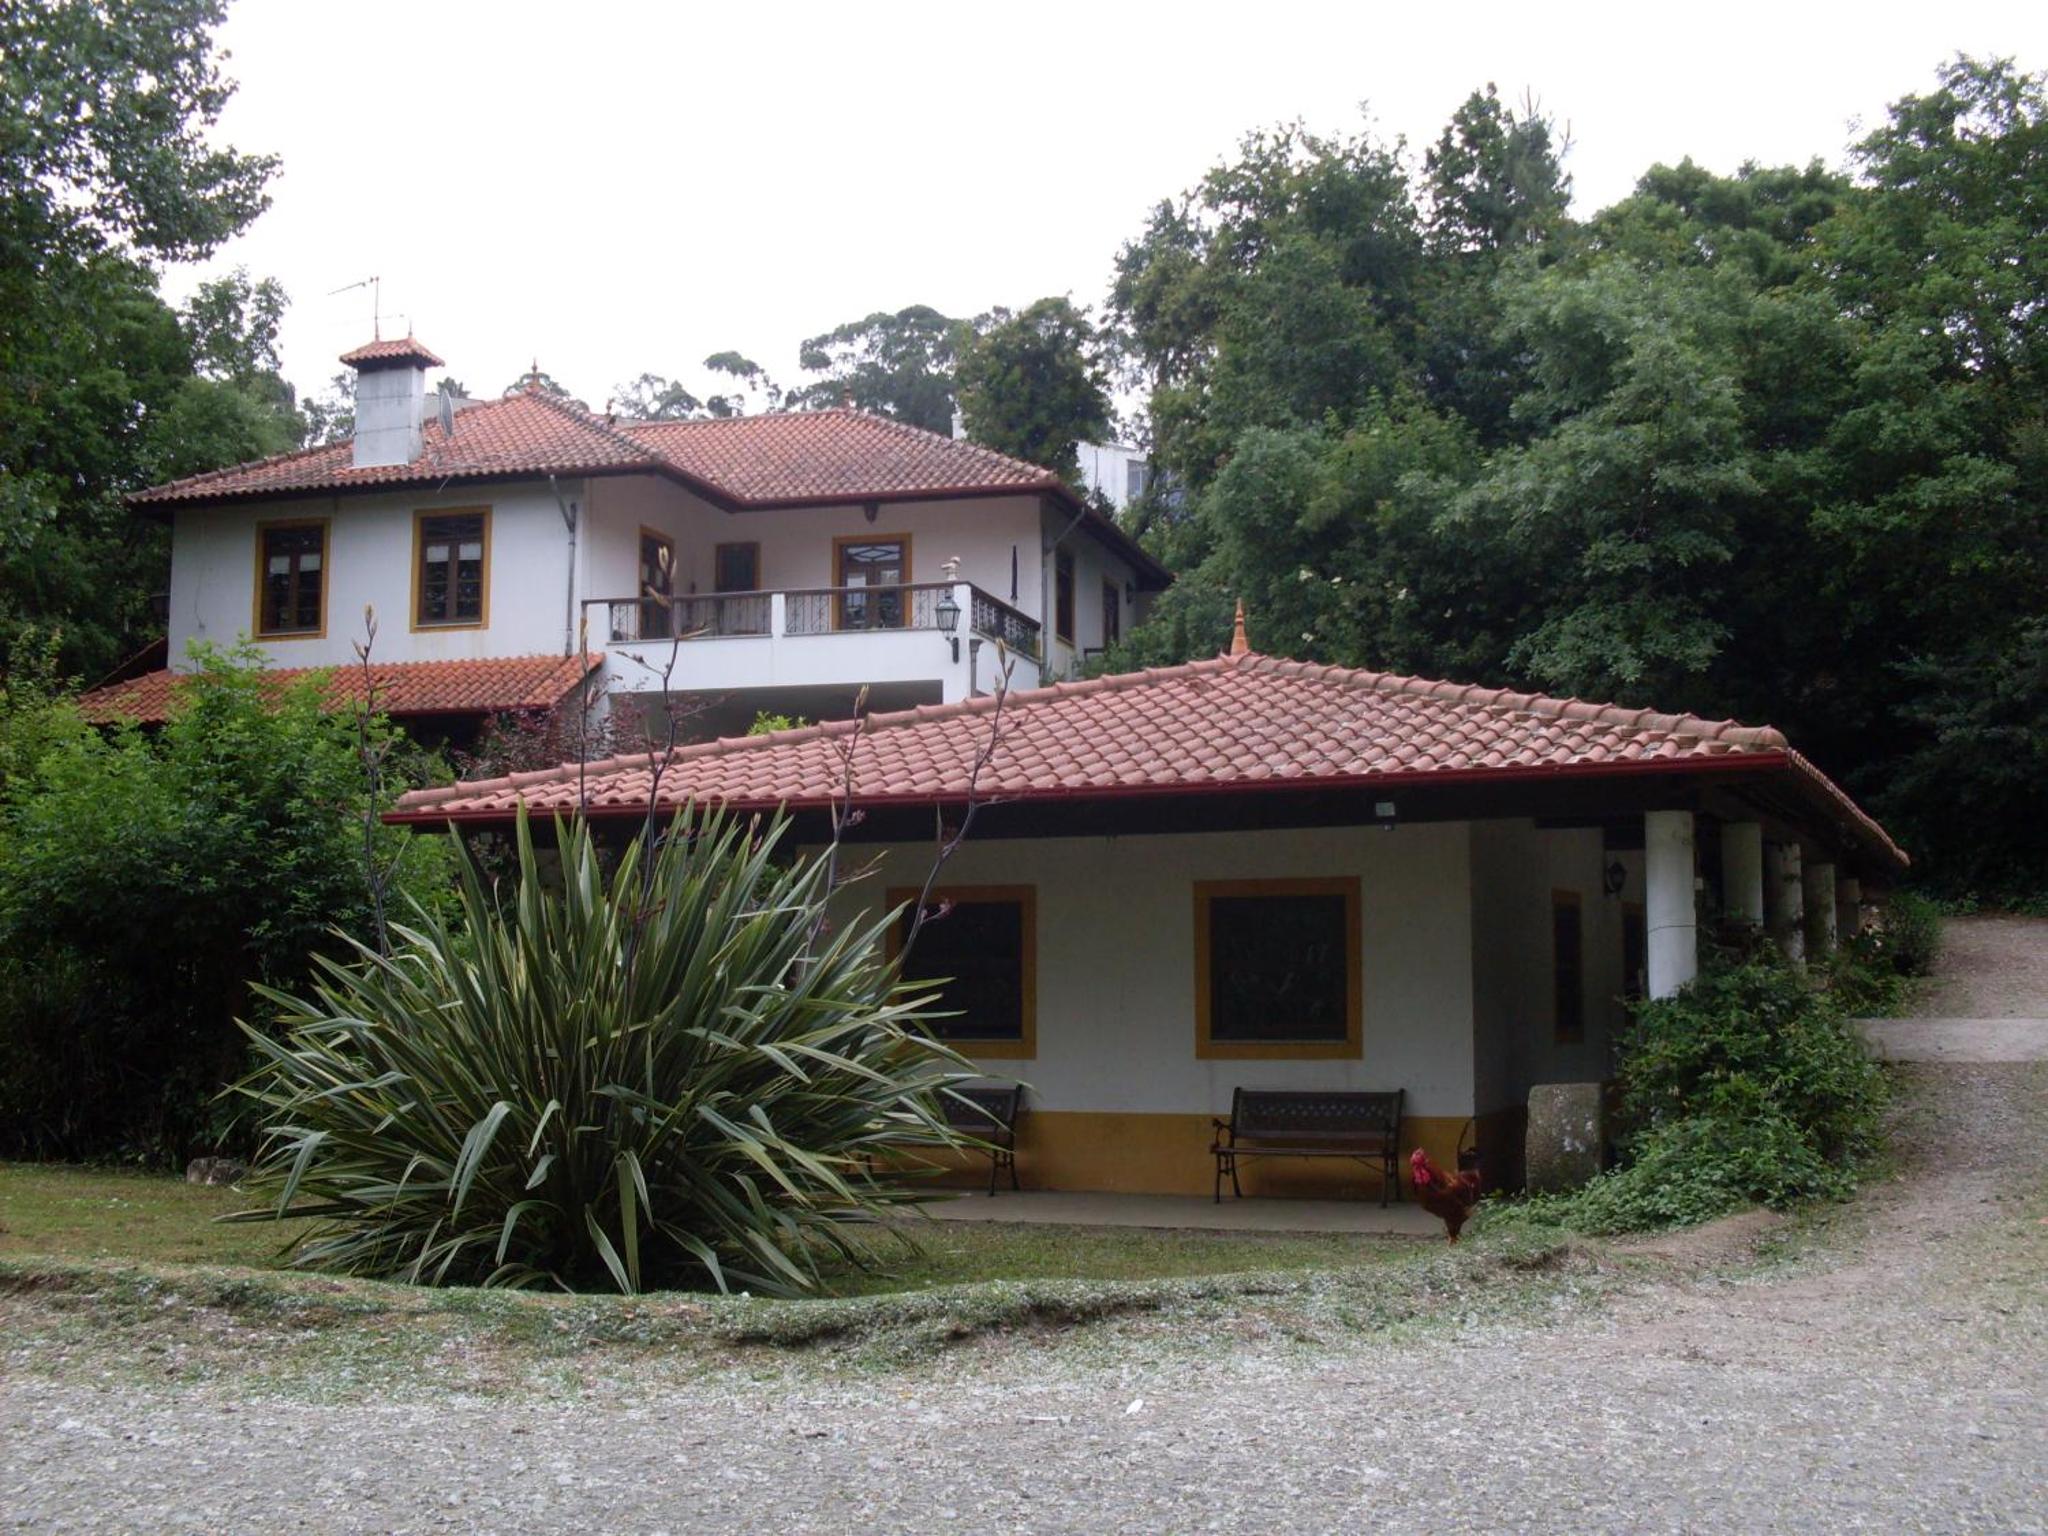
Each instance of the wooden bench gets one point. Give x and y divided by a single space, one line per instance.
1290 1122
990 1116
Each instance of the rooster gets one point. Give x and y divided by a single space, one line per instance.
1440 1194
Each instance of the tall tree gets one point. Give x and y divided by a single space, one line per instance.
1031 386
898 365
107 165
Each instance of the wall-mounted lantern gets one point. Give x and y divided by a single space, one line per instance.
948 611
1614 877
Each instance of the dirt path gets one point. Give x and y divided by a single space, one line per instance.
1990 968
1896 1381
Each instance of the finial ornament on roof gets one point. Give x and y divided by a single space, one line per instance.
1239 646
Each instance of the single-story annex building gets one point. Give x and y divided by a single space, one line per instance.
1249 871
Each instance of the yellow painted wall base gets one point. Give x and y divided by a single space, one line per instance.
1143 1154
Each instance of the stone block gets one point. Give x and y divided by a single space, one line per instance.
1567 1135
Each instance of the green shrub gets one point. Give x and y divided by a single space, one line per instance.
1909 935
145 881
625 1080
1748 1087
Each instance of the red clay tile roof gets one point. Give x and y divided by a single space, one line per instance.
795 458
1242 723
832 456
404 688
374 354
529 433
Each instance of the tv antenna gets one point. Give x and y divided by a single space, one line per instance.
376 318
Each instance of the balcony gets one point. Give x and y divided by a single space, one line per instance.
816 638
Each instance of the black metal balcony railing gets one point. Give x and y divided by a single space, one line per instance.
806 611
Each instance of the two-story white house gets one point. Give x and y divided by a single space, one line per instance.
776 563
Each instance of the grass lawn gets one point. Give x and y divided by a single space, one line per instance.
98 1213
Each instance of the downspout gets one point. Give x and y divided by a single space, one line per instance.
568 511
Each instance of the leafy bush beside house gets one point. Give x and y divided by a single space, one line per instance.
661 1071
146 880
1749 1087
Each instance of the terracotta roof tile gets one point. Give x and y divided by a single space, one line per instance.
404 688
403 349
835 455
1237 721
529 433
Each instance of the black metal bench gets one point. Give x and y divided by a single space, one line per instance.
1292 1122
990 1116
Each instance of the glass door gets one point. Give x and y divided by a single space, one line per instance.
872 574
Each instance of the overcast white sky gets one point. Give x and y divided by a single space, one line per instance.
617 188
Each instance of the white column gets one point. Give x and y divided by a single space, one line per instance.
1742 872
1784 901
1848 907
1668 904
778 615
1820 909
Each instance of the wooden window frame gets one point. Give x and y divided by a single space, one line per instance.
718 554
839 578
483 618
666 625
1064 625
263 530
1352 1046
1560 1032
1025 1047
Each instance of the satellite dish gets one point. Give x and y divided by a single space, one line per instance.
447 412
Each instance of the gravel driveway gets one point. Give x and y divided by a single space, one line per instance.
1896 1382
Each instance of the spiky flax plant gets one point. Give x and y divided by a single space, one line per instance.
621 1079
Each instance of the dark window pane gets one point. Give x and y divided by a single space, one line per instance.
1567 970
978 947
291 580
1063 596
452 570
1279 968
739 568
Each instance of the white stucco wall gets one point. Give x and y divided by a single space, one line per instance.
1105 467
1515 867
1115 964
797 543
370 561
1093 566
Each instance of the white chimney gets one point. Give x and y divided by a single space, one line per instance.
391 400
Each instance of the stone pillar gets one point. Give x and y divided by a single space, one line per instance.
1820 910
1742 872
1669 910
1784 899
1848 907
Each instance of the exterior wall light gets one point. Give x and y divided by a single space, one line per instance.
1614 877
948 611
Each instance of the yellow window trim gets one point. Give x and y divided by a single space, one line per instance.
1351 1047
325 525
1026 897
419 518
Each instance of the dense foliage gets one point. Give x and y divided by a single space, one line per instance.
146 881
1749 1087
633 1076
1772 444
107 168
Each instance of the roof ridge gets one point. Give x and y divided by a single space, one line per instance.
582 416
